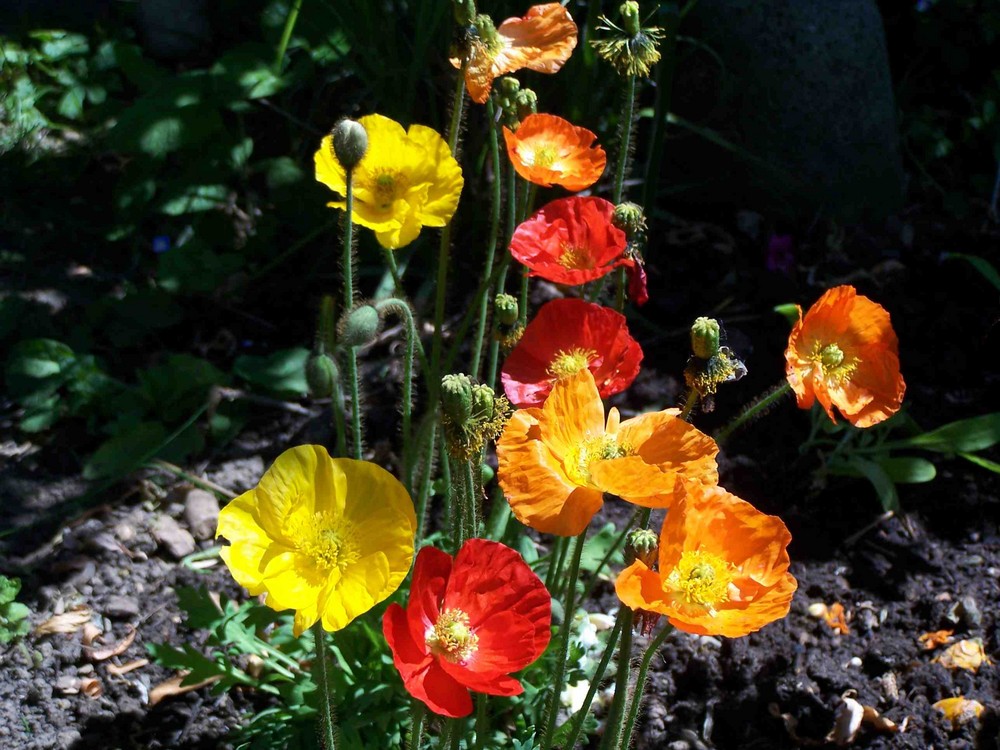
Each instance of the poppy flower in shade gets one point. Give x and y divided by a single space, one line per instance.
407 179
723 567
470 623
327 537
548 150
565 337
556 462
541 41
570 241
844 353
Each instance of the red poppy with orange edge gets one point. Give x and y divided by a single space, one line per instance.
571 241
722 568
541 41
470 623
565 337
548 150
844 353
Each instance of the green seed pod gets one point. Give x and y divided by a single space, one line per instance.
482 401
506 309
630 17
360 326
642 545
350 142
527 103
705 338
322 375
629 218
456 398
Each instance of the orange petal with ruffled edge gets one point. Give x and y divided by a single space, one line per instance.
548 150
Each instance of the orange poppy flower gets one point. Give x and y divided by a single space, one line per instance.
548 150
557 461
723 567
571 241
844 353
541 41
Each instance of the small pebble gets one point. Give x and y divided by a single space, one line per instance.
201 512
178 541
122 607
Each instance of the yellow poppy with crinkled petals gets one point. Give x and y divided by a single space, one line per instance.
406 180
327 537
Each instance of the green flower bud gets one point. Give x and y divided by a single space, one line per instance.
360 326
482 401
527 103
465 11
322 375
642 545
630 17
507 87
350 142
629 218
506 309
487 32
456 398
705 338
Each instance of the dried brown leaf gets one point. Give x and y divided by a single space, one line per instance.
172 686
118 671
68 622
100 654
91 687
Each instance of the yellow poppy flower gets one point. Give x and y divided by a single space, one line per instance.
406 180
327 537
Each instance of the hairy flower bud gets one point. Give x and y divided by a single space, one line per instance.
360 326
642 545
705 338
526 102
482 401
629 218
630 17
506 309
456 398
350 142
322 375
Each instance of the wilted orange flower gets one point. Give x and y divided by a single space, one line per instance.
844 353
541 41
723 567
548 150
556 462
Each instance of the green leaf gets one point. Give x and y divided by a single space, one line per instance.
9 588
196 268
71 103
880 480
964 436
37 366
154 128
597 547
249 67
175 389
57 45
283 371
125 451
987 269
202 612
194 198
907 470
41 414
983 462
789 312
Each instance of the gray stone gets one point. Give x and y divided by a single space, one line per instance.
201 513
177 540
121 607
806 88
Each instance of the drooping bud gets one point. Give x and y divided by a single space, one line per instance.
507 88
642 545
705 338
630 17
350 142
506 309
465 11
526 102
456 398
360 326
322 375
482 401
629 218
487 32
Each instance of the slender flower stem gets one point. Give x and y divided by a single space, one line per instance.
619 540
328 728
564 636
755 409
491 241
482 721
286 35
352 356
402 309
424 490
511 224
690 401
457 732
640 685
556 557
616 716
445 246
625 136
471 501
595 682
418 716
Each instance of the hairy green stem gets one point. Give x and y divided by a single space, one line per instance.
616 716
558 678
418 716
352 355
595 682
402 309
753 410
619 540
639 688
690 401
328 727
424 491
625 137
482 721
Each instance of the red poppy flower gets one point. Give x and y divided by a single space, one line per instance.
565 337
469 624
571 241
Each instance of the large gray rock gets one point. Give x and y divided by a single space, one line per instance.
806 88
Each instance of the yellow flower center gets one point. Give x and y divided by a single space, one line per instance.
330 543
387 185
570 361
602 448
451 637
835 364
702 578
544 157
575 258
